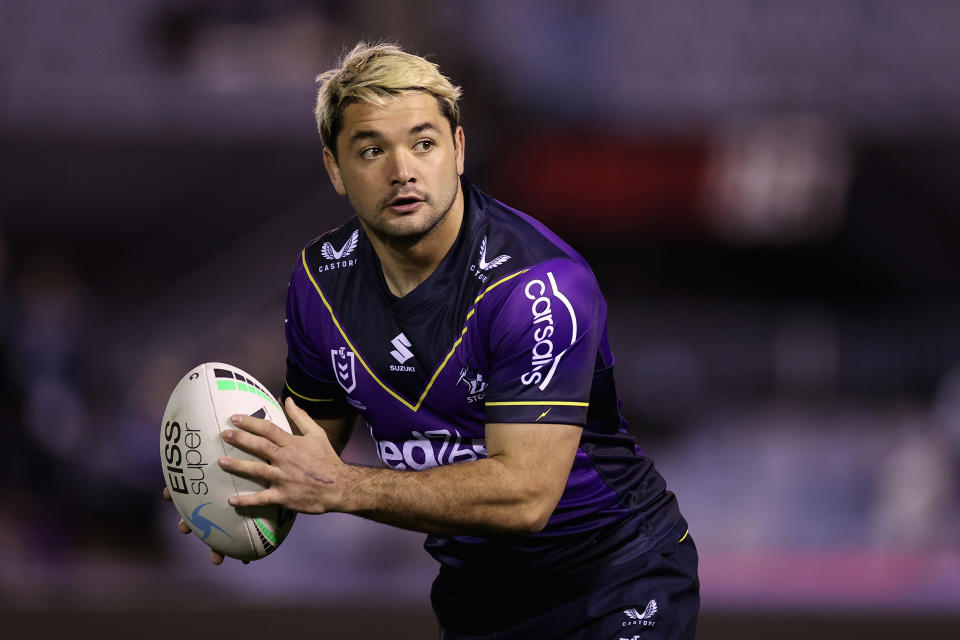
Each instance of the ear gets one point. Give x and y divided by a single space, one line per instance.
333 170
459 143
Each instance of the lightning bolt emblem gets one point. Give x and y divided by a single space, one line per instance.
543 414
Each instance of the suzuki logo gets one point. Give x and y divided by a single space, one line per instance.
401 353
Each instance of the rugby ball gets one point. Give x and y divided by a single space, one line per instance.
190 446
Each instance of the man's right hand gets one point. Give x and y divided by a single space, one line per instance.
215 557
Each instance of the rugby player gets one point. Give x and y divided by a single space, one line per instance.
472 341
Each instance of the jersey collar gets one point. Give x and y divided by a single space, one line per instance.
448 272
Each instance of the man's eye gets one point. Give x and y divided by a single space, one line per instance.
370 153
423 145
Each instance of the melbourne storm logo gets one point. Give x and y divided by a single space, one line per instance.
476 385
205 525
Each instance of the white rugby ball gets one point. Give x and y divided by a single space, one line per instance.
190 446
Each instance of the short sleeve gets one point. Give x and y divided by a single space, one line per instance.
543 342
309 376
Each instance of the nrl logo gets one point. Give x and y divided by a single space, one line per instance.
343 365
336 256
483 265
476 385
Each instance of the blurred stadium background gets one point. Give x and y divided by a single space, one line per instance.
768 193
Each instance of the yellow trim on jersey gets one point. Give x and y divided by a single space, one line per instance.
684 537
290 389
412 407
537 404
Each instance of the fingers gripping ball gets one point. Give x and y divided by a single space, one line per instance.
190 445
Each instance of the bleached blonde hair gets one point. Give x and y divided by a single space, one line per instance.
372 73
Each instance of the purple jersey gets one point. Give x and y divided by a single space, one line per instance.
510 328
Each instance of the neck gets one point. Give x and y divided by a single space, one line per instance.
407 263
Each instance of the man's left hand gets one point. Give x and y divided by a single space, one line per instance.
303 472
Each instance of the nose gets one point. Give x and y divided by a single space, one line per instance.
402 169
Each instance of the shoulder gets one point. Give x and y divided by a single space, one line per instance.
325 265
559 277
541 323
334 247
535 277
529 240
514 245
559 292
330 257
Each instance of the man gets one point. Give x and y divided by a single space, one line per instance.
472 341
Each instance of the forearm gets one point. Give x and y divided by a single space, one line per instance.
479 497
514 490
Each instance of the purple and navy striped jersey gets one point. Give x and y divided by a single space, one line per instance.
510 328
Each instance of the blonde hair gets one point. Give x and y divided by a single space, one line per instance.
372 73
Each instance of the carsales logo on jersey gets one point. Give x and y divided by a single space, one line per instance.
431 448
543 362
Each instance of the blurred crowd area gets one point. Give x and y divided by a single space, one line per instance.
766 190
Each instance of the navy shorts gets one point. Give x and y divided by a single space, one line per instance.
654 596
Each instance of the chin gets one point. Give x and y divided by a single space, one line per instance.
409 228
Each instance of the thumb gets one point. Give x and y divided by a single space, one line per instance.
304 423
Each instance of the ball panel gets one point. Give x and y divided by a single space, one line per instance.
234 391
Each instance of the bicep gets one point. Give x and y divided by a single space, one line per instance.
541 455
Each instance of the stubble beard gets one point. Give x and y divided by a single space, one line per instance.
412 237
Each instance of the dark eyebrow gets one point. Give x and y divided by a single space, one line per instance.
425 126
364 133
376 135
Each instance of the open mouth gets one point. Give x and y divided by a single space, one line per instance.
400 202
405 204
